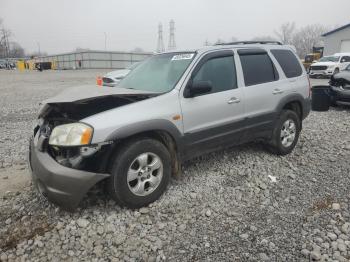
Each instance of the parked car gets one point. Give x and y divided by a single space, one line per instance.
171 108
340 87
114 77
330 65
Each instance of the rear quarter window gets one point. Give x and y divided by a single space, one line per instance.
288 62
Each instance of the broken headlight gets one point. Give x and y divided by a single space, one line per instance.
75 134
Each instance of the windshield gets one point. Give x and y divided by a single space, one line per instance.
159 73
329 59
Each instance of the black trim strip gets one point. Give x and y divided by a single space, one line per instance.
255 51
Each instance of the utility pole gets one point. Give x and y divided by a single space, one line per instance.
160 45
172 44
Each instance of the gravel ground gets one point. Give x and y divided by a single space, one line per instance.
241 204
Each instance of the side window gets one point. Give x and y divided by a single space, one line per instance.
220 71
289 63
345 59
257 68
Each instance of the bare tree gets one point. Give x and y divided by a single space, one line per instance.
308 37
285 33
219 41
16 50
7 48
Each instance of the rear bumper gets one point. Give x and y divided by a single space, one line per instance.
61 185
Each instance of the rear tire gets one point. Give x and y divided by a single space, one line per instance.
140 173
286 133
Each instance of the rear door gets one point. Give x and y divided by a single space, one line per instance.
262 90
292 71
213 119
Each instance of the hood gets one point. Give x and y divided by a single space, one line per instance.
118 73
88 92
80 102
323 63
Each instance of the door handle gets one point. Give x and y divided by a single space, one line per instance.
277 91
233 100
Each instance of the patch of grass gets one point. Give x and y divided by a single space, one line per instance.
322 204
24 230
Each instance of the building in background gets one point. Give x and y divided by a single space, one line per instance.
337 40
92 59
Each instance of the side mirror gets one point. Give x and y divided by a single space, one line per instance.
197 88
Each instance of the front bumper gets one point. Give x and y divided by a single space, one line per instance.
340 95
61 185
327 72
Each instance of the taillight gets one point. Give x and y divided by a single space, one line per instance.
99 81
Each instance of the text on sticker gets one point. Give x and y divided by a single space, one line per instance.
182 57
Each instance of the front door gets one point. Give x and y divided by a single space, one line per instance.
215 118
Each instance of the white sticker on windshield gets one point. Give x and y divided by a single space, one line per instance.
182 57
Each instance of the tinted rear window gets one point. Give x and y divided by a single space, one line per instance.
288 61
257 69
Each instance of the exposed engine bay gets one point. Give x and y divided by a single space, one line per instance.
54 114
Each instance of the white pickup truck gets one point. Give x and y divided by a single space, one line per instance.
330 65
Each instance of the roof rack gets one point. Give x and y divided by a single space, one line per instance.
252 42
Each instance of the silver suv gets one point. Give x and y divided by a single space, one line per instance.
172 107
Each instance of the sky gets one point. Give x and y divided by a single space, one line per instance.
63 25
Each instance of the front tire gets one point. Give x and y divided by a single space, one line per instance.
286 133
140 173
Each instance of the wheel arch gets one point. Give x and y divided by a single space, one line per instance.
162 130
294 106
297 103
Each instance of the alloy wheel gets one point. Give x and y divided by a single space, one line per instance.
288 133
145 174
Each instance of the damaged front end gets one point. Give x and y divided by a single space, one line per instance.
56 114
340 87
64 162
